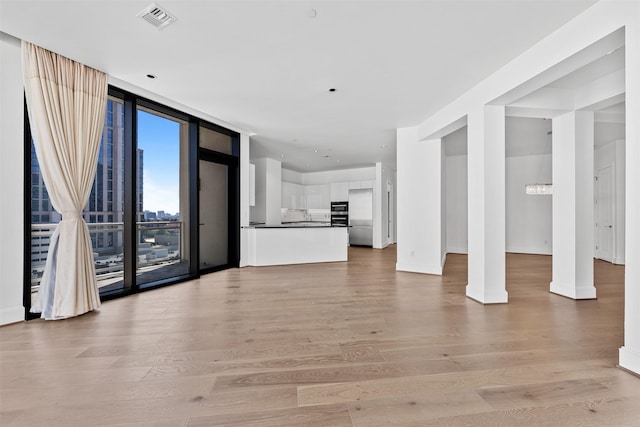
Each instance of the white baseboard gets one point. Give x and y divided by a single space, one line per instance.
528 250
496 297
629 359
618 260
11 315
459 250
573 292
424 269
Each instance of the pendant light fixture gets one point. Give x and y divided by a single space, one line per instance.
539 189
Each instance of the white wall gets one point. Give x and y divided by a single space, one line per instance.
456 204
419 198
383 194
528 217
11 181
292 176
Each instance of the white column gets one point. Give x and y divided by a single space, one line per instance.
419 200
630 352
572 159
486 195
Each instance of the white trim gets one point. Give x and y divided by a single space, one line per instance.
573 292
424 269
529 250
457 250
496 297
11 315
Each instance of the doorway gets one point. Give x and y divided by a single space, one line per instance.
218 201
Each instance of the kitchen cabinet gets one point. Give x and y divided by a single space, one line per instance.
318 196
340 191
358 185
293 196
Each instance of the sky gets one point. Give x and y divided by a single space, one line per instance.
160 140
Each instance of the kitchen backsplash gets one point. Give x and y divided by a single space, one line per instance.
299 215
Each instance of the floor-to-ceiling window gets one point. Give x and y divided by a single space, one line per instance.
103 212
160 252
144 205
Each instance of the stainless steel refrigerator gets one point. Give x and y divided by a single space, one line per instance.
361 217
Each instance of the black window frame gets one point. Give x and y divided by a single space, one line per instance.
131 102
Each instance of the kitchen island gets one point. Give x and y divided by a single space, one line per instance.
296 243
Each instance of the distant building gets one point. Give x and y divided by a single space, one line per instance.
106 200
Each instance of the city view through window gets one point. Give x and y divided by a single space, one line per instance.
159 227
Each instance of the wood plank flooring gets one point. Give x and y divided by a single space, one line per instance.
340 344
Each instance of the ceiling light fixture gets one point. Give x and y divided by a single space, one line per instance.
539 189
333 89
151 76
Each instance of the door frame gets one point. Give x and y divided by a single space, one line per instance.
233 206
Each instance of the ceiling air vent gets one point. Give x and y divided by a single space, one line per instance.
156 16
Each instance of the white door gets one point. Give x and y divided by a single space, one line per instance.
604 214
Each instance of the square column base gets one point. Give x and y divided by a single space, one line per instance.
629 360
487 297
572 291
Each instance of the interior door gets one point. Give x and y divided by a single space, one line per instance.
214 215
604 214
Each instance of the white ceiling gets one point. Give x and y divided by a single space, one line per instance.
266 66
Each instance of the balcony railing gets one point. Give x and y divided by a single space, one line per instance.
159 243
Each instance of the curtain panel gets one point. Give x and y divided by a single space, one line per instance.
66 102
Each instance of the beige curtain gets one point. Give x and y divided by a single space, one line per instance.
66 102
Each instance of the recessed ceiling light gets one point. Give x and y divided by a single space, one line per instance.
315 151
151 76
384 145
333 89
282 155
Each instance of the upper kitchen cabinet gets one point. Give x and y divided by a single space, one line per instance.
340 191
318 196
357 185
293 196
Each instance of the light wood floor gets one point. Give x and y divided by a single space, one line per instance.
343 344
